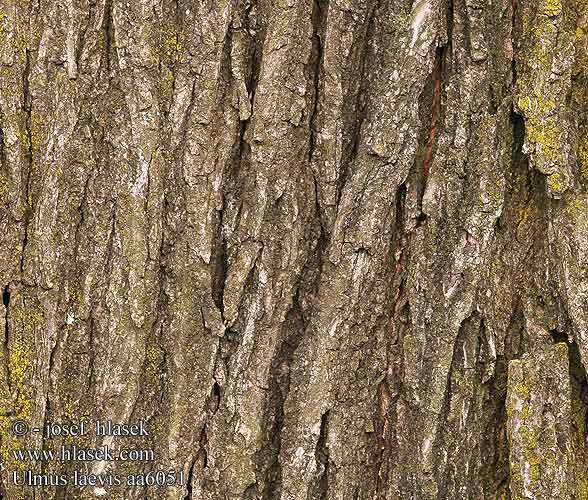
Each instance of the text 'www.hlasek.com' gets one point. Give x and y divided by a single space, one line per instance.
91 466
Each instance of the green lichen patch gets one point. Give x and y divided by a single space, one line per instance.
551 8
543 135
20 362
3 189
172 48
582 155
556 183
538 457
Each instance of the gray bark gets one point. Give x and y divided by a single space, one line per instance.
326 249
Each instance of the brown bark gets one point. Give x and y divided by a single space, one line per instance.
324 249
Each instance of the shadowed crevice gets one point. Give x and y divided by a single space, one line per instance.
6 296
28 198
495 469
390 387
188 495
320 11
6 302
2 151
579 411
321 487
579 420
108 27
268 457
357 88
253 25
431 113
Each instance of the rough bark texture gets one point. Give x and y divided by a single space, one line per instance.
327 249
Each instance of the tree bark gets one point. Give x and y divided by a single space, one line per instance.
324 249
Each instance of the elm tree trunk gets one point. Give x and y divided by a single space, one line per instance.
326 249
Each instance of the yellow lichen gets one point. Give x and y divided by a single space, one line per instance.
582 487
522 390
172 48
536 103
535 463
544 137
576 207
551 8
153 359
68 407
19 44
3 188
582 153
556 182
167 83
19 361
20 364
525 214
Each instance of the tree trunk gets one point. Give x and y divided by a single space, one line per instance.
322 249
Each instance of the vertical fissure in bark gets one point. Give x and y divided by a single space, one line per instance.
495 462
2 150
54 350
527 183
240 154
399 244
28 108
437 86
212 405
431 112
108 34
221 264
201 459
230 341
162 302
202 454
450 15
514 9
320 11
268 457
431 100
321 488
519 158
323 235
80 223
457 358
319 21
579 407
256 57
162 370
219 255
6 296
216 396
356 109
383 437
558 336
6 302
81 35
389 388
189 479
